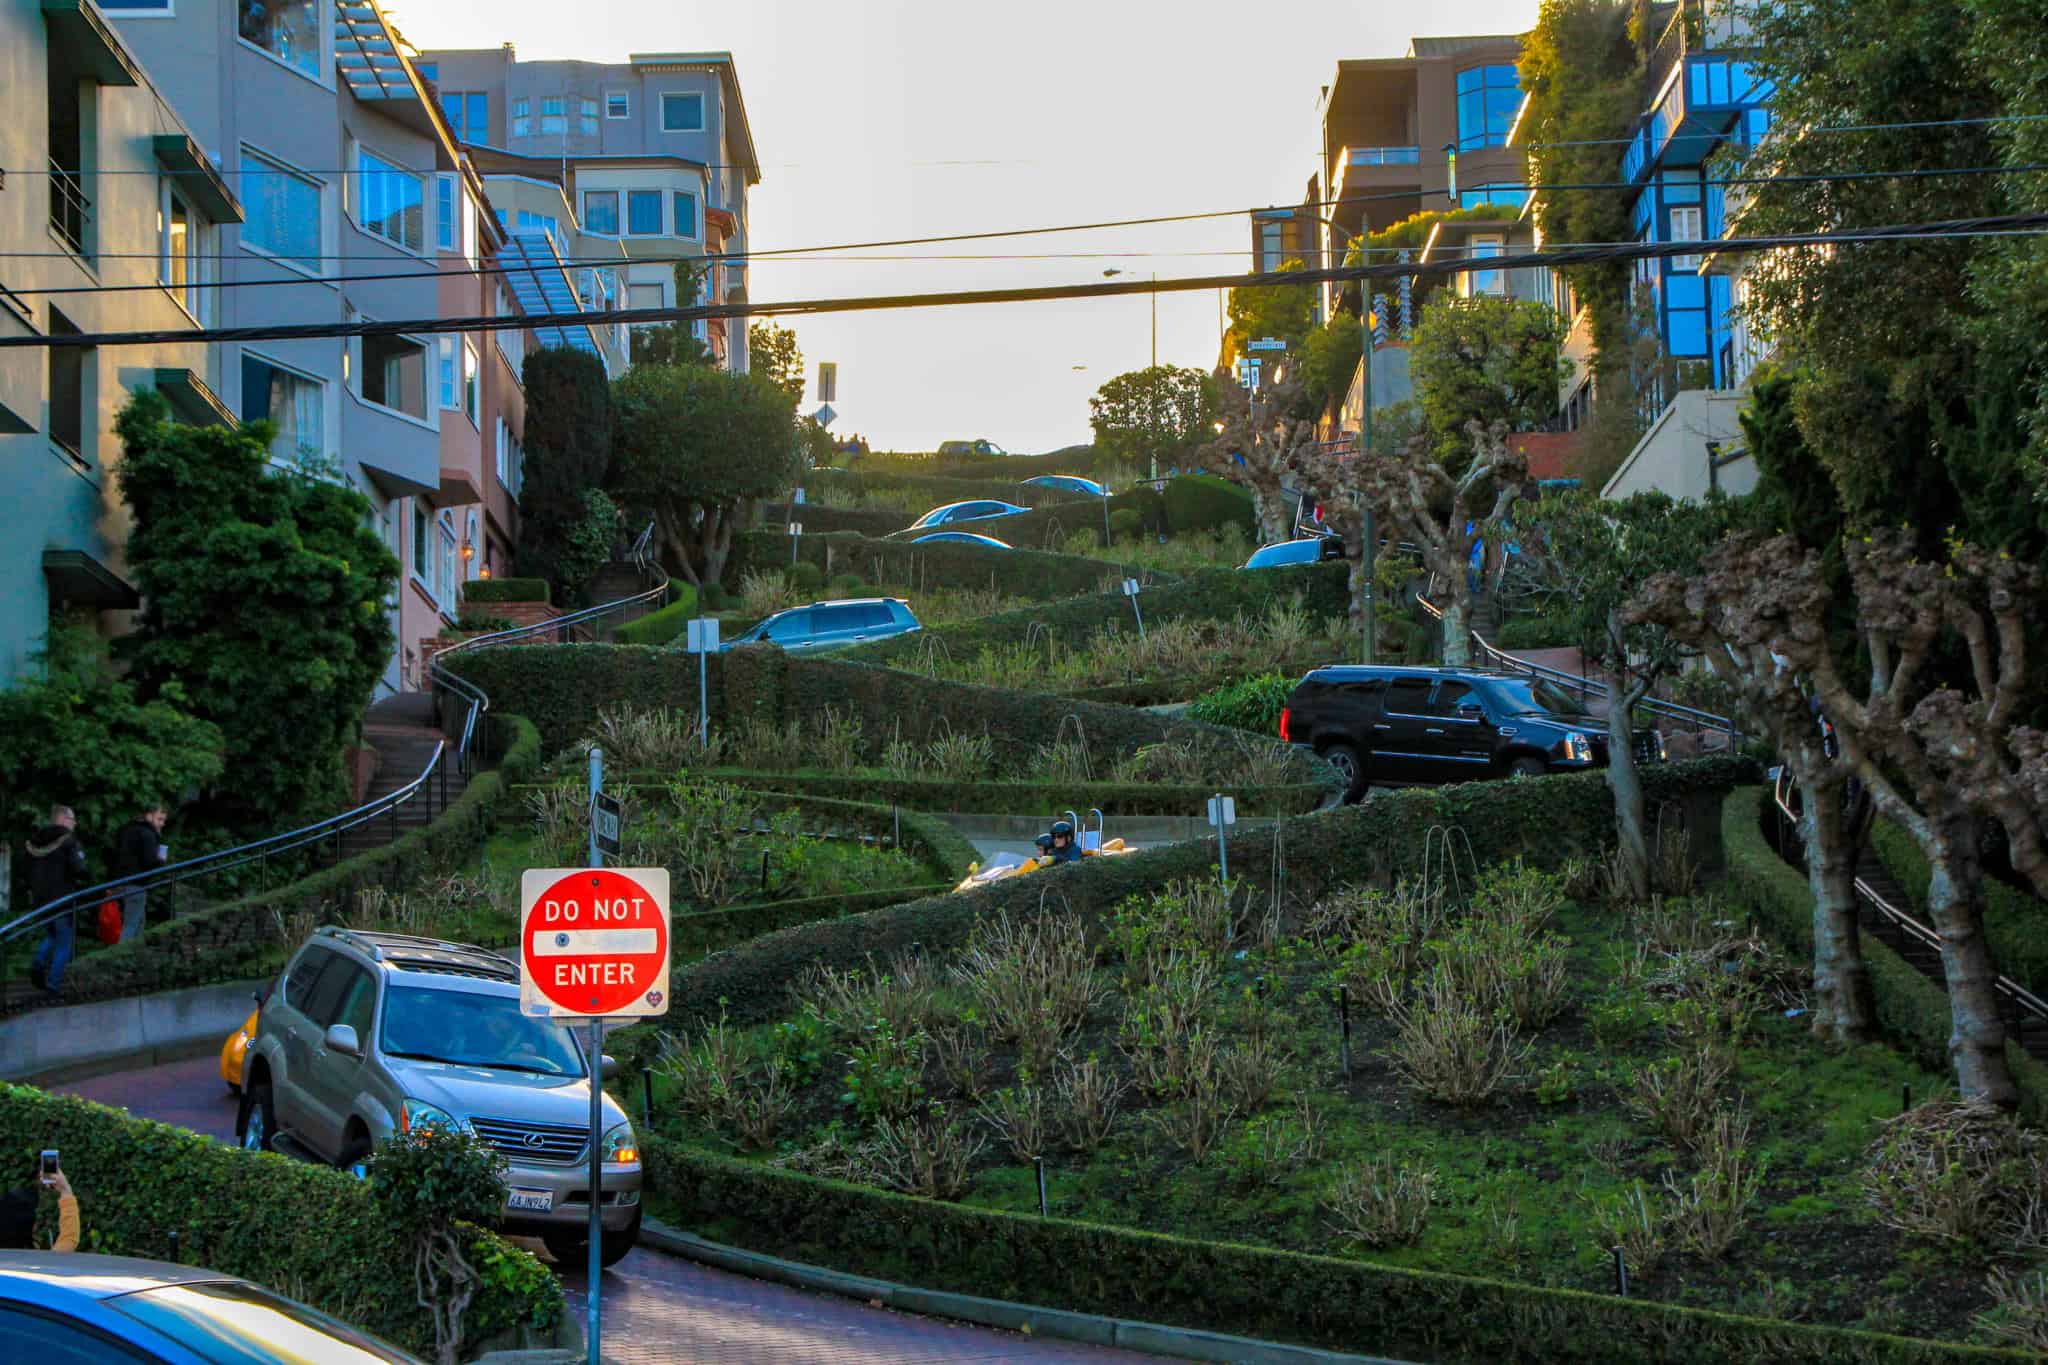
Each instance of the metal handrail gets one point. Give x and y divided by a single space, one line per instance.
70 208
334 826
2020 996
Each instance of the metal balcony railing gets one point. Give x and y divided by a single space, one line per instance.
1383 156
70 209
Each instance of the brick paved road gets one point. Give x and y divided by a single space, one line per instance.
657 1308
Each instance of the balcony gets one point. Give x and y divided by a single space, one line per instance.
1708 99
70 209
1382 156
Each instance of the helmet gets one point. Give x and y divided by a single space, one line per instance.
1060 827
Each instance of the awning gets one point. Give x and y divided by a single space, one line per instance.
197 177
81 33
190 398
458 488
365 55
538 279
79 580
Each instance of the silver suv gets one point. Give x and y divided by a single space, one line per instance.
367 1034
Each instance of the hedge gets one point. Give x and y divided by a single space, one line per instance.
1912 1009
152 1190
1210 595
505 590
1018 798
233 941
901 567
660 627
1270 1294
698 935
1546 820
822 486
1082 460
1189 503
1197 502
816 520
2013 920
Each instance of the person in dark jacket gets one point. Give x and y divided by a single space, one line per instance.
56 868
138 850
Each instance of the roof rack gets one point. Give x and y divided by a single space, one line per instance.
410 952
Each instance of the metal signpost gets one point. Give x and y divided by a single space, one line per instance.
593 944
606 824
796 528
702 640
1222 814
1131 591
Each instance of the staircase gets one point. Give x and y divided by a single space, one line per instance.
616 580
404 730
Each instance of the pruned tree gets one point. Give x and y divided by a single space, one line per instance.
1256 447
1417 499
1153 415
1730 608
1598 552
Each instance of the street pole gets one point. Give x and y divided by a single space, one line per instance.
594 1059
1372 538
1155 319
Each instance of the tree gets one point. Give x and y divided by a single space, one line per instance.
697 448
80 736
568 453
1285 311
265 605
1697 607
1256 449
1485 360
1328 360
1154 415
1418 500
432 1185
675 343
1598 552
772 351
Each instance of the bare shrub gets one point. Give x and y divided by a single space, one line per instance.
2018 1315
1672 870
705 1072
961 758
1708 1213
1632 1221
904 993
763 744
925 1154
1450 1050
1248 1073
652 738
1515 893
835 743
956 1052
1285 1143
1033 980
1086 1095
1017 1113
757 1105
1380 1202
1506 964
1950 1170
1198 1120
1678 1096
1502 1218
561 822
765 593
1406 917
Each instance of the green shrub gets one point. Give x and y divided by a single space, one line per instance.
1533 632
1125 523
903 567
1003 797
1196 502
1253 704
715 597
505 590
849 583
660 627
151 1190
428 1183
806 577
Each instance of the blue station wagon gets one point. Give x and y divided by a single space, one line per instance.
833 625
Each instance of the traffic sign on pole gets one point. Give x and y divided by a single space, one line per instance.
824 414
607 823
1267 344
593 942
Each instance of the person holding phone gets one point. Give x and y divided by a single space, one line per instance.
18 1210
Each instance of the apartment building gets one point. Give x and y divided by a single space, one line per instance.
104 189
357 206
653 157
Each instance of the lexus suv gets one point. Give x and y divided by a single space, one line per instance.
1413 726
369 1034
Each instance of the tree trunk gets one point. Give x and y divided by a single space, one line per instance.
716 541
1631 815
1457 644
1844 1011
1955 899
1270 510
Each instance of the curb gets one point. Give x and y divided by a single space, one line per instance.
1183 1343
70 1042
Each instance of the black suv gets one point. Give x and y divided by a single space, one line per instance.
1403 726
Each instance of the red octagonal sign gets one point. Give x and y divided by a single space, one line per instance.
593 941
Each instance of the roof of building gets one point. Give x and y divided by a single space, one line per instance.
1451 47
729 74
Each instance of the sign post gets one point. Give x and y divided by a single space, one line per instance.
1131 591
593 944
796 529
828 381
703 642
1222 813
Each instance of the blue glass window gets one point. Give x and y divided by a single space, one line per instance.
601 212
682 113
429 71
643 213
282 211
686 214
1488 97
444 212
1512 195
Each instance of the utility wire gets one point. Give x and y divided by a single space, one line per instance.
2016 224
1829 128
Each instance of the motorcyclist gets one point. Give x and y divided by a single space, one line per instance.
1058 843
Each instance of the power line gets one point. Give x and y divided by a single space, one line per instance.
2010 225
1830 128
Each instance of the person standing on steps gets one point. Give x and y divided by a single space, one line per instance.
56 868
139 850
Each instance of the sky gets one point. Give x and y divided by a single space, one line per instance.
880 119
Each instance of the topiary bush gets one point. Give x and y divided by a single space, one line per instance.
1125 522
805 577
903 566
1253 704
1196 502
715 596
849 583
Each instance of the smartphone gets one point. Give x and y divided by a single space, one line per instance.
49 1162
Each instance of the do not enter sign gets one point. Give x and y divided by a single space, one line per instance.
593 941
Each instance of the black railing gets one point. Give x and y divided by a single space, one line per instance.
452 690
70 209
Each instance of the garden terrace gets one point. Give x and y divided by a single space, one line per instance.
899 568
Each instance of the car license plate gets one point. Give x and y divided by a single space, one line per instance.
531 1201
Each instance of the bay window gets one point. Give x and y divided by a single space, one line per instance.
394 375
389 201
280 211
643 213
601 212
290 401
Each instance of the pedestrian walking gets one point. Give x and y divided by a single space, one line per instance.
139 850
56 868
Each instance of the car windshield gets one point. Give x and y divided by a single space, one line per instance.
468 1029
230 1322
1526 696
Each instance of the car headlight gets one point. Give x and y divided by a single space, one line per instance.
620 1148
417 1114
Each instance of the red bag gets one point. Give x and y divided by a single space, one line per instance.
110 922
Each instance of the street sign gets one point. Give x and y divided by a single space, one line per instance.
1130 587
1267 344
701 635
607 822
799 497
828 383
824 414
593 942
1222 810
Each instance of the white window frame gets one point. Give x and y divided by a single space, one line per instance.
354 368
322 73
447 374
519 119
419 545
618 213
587 116
1485 246
277 166
446 573
192 295
511 340
471 385
503 465
1696 215
561 103
447 194
357 151
625 99
702 112
626 214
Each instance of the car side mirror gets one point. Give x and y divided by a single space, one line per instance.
342 1038
608 1067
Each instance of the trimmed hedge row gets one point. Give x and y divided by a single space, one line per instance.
660 627
1274 1295
1082 460
1013 798
1912 1010
505 590
232 941
314 1233
821 520
1545 820
1210 595
709 931
823 486
901 567
2013 920
1189 503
